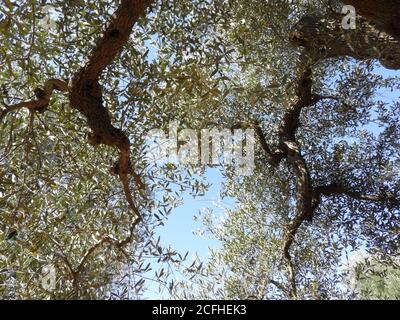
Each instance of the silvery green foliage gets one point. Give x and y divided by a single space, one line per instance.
373 277
58 197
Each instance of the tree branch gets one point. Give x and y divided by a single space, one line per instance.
85 95
114 38
339 189
325 38
106 240
291 151
42 100
86 91
273 157
279 286
385 14
302 99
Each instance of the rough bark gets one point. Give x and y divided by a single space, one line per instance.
324 37
287 135
273 157
85 91
385 14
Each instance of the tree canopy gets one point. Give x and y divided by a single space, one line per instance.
84 82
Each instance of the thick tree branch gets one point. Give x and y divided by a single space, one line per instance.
324 37
335 189
86 92
307 198
86 97
42 100
385 14
304 205
273 157
114 38
287 135
290 150
303 98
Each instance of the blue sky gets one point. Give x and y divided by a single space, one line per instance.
181 225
